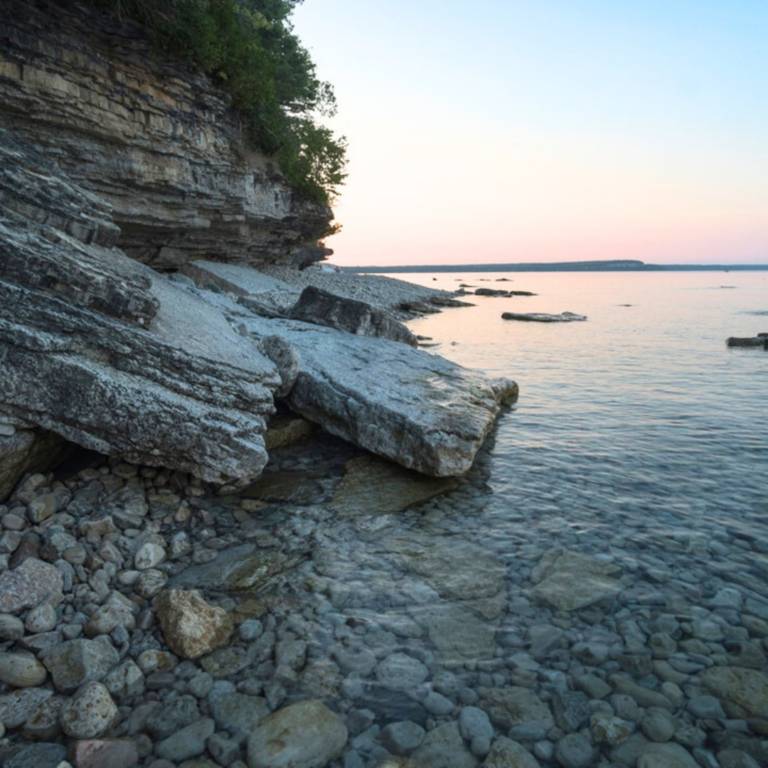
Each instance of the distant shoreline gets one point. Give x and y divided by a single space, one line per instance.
563 266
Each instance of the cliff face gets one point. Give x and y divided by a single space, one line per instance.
152 139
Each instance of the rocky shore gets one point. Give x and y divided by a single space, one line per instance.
337 613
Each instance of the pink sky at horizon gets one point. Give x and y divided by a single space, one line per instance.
535 132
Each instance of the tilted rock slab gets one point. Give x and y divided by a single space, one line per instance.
324 308
108 354
407 405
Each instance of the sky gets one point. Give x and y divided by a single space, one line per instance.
547 130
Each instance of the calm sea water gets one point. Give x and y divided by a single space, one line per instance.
639 442
639 415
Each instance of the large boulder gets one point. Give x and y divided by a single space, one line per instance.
108 354
419 410
415 408
324 308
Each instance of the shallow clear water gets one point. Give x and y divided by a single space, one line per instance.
639 441
641 411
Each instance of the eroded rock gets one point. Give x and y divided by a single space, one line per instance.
190 625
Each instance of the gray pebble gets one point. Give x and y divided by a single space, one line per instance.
402 738
573 751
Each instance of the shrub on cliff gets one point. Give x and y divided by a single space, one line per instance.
248 46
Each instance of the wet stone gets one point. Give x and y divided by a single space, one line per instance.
36 756
89 713
402 738
302 735
400 672
27 585
21 671
76 662
104 753
16 707
574 751
657 724
237 713
445 747
571 709
506 753
187 742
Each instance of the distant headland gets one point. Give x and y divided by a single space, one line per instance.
614 265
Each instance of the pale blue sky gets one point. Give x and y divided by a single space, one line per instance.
523 131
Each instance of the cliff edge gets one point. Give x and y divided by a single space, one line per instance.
150 137
117 169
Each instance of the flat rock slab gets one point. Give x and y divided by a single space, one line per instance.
293 487
569 581
419 410
244 568
348 315
373 486
457 632
456 568
541 317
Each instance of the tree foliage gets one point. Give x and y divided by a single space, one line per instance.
248 46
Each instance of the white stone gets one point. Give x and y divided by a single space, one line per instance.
148 555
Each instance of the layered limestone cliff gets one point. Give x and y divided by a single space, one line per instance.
114 167
150 137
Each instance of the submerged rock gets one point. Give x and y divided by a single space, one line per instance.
541 317
302 735
569 581
761 340
373 486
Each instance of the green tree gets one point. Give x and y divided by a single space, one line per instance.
250 49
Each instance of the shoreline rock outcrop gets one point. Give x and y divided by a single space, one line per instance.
114 164
108 354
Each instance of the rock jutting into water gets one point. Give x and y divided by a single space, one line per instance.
105 352
324 308
760 340
541 317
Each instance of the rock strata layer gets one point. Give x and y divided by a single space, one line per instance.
105 352
154 140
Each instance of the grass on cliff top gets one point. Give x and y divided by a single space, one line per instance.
249 48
